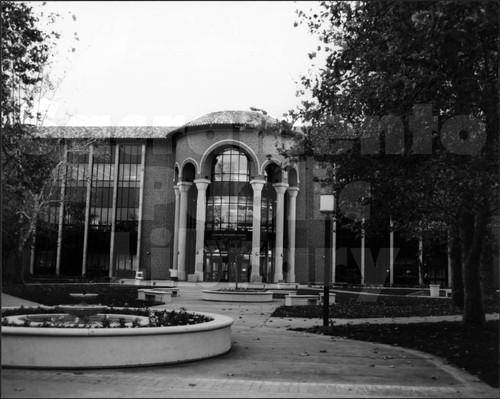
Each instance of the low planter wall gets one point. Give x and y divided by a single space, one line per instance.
288 285
234 296
35 347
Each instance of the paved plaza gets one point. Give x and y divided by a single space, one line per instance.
266 360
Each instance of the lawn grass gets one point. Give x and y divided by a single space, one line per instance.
58 294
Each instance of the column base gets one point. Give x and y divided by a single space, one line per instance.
181 275
256 278
278 277
199 276
290 278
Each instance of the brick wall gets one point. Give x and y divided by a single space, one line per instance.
158 210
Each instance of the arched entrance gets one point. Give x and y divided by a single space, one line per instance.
238 218
229 215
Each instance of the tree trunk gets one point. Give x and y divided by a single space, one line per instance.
457 284
472 232
490 248
32 252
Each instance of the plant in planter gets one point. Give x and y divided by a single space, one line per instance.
108 318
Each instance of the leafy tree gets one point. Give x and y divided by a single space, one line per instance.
30 166
428 70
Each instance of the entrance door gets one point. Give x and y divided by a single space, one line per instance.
267 261
224 256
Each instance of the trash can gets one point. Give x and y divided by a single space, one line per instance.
139 276
434 289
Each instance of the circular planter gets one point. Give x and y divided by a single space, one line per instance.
235 296
38 347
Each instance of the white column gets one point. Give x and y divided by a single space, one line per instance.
87 210
391 252
292 217
113 212
176 228
421 260
201 210
181 260
257 186
280 219
363 255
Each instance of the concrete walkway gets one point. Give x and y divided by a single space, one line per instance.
266 360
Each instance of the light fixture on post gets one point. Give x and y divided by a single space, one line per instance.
327 207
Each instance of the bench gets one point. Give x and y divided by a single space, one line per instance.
295 299
282 293
154 295
173 290
332 298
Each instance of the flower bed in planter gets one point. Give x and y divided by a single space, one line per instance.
170 337
237 295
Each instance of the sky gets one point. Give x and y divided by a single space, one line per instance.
164 63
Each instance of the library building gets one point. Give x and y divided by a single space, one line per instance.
212 200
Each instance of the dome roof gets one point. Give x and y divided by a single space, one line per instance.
251 119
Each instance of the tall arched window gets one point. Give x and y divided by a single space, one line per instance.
230 195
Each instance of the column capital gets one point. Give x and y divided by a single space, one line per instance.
184 186
280 187
292 191
176 190
201 184
257 184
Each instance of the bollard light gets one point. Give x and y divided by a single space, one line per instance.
326 207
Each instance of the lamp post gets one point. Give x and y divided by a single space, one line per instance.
327 207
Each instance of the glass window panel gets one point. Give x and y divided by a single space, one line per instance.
121 213
135 202
210 213
125 154
130 154
233 212
226 164
127 197
109 173
243 166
